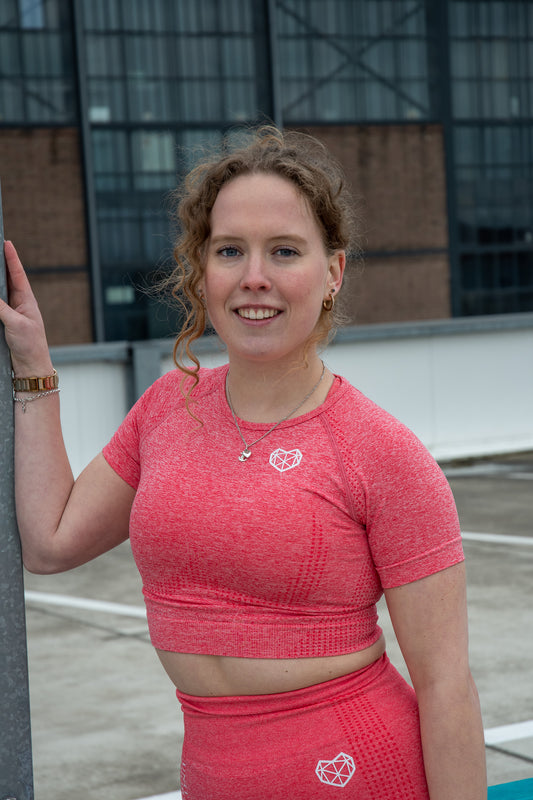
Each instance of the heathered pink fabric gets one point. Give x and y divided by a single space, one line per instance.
287 554
280 746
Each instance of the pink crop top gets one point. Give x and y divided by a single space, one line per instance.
286 554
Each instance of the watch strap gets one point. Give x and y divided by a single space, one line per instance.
35 384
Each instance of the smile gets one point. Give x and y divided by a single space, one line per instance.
257 313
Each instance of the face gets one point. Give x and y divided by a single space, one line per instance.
267 272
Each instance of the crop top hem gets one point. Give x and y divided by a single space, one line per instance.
240 637
241 633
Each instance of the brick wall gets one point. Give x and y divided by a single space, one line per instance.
43 201
397 177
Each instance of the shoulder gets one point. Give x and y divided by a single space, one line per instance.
370 437
176 383
168 393
356 415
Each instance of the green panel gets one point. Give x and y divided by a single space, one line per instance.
516 790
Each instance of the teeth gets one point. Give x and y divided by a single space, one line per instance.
257 313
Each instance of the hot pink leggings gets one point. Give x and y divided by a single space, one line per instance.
353 737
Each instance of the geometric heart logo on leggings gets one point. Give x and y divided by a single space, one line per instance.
336 772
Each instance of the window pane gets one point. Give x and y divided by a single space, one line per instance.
101 14
11 101
106 101
153 152
31 13
49 100
9 55
355 61
43 54
104 55
149 100
8 14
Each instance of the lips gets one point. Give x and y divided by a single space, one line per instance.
257 313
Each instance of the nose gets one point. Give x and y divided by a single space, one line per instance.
255 273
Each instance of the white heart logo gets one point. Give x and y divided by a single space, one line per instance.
283 460
336 772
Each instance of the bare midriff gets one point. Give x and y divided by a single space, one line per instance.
222 676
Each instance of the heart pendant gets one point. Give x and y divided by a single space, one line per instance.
245 455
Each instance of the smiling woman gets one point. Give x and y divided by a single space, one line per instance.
315 179
267 273
269 506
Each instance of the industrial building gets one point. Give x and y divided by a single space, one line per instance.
429 106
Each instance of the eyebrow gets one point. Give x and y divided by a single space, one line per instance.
282 237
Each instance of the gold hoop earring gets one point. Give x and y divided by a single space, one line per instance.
328 304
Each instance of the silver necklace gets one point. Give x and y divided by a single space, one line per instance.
246 453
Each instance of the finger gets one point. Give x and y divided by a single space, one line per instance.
7 315
15 271
20 293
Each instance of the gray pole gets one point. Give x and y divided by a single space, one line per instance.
277 111
88 174
16 771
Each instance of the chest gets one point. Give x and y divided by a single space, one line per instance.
277 526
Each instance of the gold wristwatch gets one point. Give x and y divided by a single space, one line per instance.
36 384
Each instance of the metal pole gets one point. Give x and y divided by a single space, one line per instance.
277 110
88 173
16 771
437 17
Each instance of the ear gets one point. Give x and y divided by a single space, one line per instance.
336 265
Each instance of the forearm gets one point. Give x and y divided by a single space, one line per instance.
62 524
43 477
453 742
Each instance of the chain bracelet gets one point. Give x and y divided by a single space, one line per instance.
24 400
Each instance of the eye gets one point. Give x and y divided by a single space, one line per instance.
286 252
228 251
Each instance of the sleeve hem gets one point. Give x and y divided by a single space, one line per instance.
435 560
129 475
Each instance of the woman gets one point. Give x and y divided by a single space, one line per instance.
269 506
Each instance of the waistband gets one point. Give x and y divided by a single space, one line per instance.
321 693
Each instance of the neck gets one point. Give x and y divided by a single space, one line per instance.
266 393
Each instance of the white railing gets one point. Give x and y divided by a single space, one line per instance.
464 386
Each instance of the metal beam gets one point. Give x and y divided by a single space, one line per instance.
441 102
16 770
88 172
275 80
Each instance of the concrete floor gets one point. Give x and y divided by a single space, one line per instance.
104 716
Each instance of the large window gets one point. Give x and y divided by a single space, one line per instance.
162 76
491 49
494 190
186 62
491 57
36 62
346 61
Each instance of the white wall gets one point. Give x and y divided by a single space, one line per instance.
463 395
93 404
465 387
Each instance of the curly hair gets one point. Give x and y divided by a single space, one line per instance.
291 155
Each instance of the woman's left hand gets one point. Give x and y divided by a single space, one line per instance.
23 322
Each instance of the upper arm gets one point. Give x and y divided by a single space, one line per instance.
95 519
429 617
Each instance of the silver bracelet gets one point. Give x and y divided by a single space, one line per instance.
32 397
